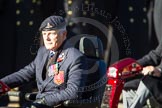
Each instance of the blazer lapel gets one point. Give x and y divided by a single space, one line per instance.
62 56
46 81
43 63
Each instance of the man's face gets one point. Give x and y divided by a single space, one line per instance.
53 39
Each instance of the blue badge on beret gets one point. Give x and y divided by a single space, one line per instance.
52 23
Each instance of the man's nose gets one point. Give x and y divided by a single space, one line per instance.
48 37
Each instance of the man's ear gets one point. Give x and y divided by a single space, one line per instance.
65 34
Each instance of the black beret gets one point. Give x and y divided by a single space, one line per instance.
52 23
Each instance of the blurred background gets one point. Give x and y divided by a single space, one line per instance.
122 25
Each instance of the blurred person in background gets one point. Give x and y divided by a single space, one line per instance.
151 83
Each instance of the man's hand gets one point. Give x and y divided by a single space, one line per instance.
40 101
151 70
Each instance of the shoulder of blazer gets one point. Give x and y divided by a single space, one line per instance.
74 52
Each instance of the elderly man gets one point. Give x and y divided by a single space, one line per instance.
58 67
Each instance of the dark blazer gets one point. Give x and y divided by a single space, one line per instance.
73 66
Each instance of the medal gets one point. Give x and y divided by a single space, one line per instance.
56 70
53 69
59 78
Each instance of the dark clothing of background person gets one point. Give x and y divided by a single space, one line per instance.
154 84
154 57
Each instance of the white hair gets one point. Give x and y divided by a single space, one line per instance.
63 29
